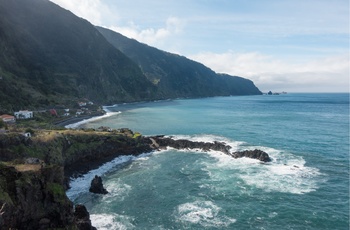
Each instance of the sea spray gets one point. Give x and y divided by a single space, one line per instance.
305 186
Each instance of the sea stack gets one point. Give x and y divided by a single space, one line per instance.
97 186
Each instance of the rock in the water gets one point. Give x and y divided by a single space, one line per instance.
82 218
97 186
163 142
255 154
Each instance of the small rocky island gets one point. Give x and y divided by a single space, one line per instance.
97 186
161 142
34 171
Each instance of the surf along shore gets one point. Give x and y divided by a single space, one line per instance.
35 171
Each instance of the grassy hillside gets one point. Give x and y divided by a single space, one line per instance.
177 76
48 55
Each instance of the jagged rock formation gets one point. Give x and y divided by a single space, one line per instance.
82 218
255 154
97 186
158 142
32 191
34 198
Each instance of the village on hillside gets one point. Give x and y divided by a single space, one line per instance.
54 116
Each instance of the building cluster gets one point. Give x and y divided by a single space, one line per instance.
22 114
26 114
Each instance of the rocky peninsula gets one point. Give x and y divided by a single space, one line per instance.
34 171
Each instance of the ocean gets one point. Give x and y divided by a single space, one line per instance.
306 186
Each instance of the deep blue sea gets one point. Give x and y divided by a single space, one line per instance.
306 186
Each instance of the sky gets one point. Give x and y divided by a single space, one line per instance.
281 45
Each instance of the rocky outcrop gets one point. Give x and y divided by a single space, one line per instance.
34 199
255 154
97 186
32 194
159 142
82 218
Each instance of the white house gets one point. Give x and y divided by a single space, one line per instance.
82 104
79 112
24 114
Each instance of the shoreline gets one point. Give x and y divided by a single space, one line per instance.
74 122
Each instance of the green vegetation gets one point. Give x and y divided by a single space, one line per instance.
177 76
42 67
136 135
57 191
2 124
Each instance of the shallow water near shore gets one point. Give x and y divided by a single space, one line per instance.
306 186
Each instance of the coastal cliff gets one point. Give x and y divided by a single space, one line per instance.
34 171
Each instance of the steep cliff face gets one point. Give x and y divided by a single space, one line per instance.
32 190
50 56
34 199
178 76
72 149
32 181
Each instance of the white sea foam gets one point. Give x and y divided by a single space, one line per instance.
116 191
286 173
77 124
205 213
81 184
111 221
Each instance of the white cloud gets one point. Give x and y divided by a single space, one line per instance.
152 36
304 30
330 74
99 13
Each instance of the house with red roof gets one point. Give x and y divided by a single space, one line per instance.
8 118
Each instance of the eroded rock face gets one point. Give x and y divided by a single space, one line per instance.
37 200
255 154
97 186
160 142
82 218
34 199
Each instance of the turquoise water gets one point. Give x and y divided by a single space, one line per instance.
306 186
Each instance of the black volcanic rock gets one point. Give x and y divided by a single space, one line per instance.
163 142
34 199
82 218
255 154
97 186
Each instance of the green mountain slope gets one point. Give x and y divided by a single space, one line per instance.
50 56
177 76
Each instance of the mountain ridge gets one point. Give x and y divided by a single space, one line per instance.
48 53
50 57
167 69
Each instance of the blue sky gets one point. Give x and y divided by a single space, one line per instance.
282 45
